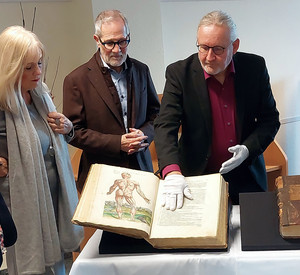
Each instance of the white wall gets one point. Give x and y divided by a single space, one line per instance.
268 28
65 28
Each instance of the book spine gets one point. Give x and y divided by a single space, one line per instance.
280 199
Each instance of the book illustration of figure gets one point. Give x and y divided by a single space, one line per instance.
124 190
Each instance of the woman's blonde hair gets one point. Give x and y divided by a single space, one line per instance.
15 45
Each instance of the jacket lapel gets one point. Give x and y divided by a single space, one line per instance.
96 78
200 88
240 99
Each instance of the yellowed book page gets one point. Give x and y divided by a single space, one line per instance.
118 197
198 217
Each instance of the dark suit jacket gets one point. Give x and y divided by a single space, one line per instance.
94 108
186 101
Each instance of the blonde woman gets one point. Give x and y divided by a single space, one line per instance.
36 178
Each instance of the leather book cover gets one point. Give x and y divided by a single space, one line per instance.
260 223
288 200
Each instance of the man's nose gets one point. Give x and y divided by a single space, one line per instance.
116 48
210 54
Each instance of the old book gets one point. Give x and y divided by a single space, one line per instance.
128 202
288 200
260 223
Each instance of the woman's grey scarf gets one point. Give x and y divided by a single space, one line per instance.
40 237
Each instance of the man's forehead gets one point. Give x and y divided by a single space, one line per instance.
213 33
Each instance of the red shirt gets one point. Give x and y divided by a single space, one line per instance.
222 101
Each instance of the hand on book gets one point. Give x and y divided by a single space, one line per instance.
174 188
240 153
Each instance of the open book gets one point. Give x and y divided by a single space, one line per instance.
288 200
127 202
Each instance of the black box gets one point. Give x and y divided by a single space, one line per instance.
260 223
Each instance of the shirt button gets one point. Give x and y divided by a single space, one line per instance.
230 140
228 123
225 106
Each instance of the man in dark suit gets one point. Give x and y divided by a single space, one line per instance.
223 100
111 101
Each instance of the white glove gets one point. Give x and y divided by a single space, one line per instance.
240 153
174 188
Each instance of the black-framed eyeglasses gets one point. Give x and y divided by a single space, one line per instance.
109 45
218 50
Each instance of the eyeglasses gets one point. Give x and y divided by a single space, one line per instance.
218 50
111 44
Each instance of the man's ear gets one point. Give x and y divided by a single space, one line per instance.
97 39
236 45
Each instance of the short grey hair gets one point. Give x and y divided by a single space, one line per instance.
220 18
108 16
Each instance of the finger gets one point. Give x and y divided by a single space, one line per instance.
179 200
173 200
135 138
138 146
58 121
226 169
143 145
54 115
135 135
136 131
187 193
53 126
137 143
233 148
129 135
223 171
130 152
134 144
226 163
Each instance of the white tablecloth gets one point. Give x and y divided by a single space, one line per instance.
232 262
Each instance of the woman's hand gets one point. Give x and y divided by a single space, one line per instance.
3 167
59 123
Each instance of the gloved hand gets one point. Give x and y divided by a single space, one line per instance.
174 188
240 153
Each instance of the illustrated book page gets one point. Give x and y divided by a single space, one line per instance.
119 200
124 201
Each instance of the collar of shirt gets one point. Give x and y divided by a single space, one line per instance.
120 82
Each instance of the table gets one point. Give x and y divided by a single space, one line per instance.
232 262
